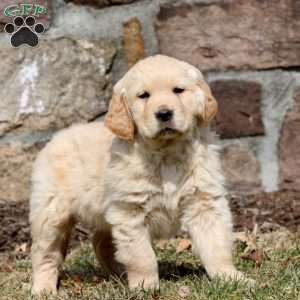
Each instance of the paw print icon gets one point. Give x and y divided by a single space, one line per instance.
24 31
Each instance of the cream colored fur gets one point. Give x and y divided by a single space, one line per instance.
128 192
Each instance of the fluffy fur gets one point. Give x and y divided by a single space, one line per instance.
135 179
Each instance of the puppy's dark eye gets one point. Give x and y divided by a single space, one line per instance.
145 95
178 90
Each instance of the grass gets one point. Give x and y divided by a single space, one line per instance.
277 276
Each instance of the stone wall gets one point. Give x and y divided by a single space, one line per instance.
249 51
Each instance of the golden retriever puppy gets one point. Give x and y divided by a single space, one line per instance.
151 169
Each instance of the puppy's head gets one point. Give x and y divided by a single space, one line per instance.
160 98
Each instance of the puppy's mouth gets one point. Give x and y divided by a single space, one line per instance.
168 132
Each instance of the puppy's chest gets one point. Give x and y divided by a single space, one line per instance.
162 207
171 180
169 183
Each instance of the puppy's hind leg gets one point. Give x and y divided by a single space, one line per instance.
50 229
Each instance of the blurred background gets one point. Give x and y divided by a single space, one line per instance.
249 52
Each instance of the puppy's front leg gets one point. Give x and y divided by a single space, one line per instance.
208 221
134 249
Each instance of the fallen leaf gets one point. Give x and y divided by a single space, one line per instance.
21 251
249 238
184 244
162 244
6 267
97 279
22 248
77 279
264 285
183 291
257 256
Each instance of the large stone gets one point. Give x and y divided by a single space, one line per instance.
100 3
241 169
16 157
289 147
40 15
232 34
239 108
62 81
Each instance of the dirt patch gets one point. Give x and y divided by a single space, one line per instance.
268 210
14 224
15 231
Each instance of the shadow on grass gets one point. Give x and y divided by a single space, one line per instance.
172 272
83 272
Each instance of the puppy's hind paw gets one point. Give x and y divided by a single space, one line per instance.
241 277
43 290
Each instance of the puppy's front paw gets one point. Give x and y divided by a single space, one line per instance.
144 282
249 281
233 274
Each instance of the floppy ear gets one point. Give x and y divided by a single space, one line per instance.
210 104
118 118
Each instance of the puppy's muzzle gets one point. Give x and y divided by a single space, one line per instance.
164 115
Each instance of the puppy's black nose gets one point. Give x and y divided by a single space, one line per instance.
164 115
